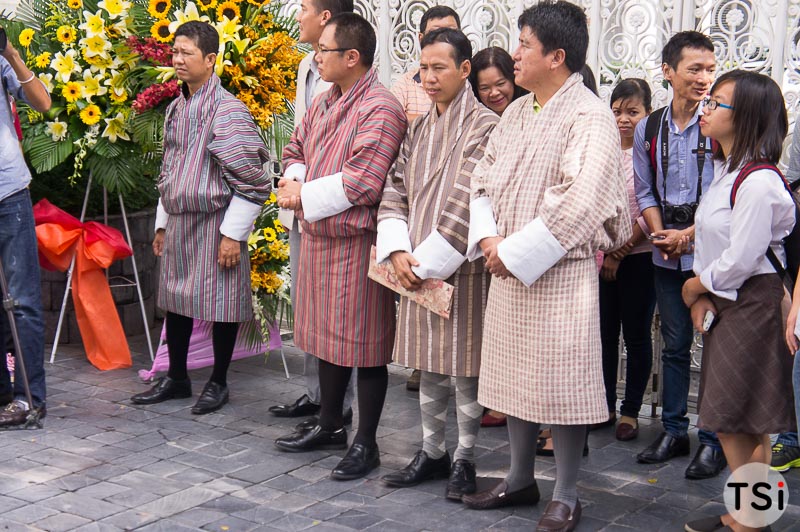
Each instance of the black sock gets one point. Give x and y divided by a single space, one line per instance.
179 331
223 340
371 389
333 382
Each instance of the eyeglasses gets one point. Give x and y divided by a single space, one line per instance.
326 50
710 104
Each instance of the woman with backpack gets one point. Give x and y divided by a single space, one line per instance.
735 299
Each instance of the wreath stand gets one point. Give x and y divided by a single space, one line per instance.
114 282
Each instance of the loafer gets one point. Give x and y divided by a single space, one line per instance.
708 462
357 463
421 468
557 517
664 448
706 524
627 432
311 440
499 496
461 481
300 408
213 397
412 384
165 389
313 421
16 413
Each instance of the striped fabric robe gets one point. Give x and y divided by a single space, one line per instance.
342 316
429 191
212 151
541 358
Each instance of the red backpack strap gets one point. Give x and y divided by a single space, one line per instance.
748 169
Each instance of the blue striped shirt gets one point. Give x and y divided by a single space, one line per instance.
14 173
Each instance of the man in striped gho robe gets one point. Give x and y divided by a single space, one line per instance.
423 227
213 183
336 166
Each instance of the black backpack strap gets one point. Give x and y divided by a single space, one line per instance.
748 169
651 129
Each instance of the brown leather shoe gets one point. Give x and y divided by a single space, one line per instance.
499 496
558 518
627 432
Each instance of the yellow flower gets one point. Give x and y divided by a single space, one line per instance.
190 13
57 130
71 91
94 25
228 9
278 226
65 64
92 85
272 198
42 60
115 128
255 2
90 115
47 80
228 30
269 234
75 4
119 97
26 36
161 32
65 34
115 8
159 8
95 45
206 5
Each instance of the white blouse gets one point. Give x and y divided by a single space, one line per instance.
731 245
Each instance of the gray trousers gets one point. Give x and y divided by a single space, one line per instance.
310 362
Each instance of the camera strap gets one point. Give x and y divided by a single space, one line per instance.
700 154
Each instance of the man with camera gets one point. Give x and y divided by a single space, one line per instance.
672 164
18 252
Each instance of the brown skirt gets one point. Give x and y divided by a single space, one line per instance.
746 378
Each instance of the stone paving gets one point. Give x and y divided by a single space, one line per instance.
102 464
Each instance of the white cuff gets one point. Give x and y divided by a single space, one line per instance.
392 236
530 252
286 217
161 216
296 172
707 281
481 225
437 258
324 197
238 221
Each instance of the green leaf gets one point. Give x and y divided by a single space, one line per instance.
44 153
119 174
107 149
148 130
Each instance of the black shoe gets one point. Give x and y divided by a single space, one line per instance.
213 397
412 384
313 421
300 408
316 438
784 457
421 468
705 524
358 461
707 463
16 413
164 390
664 448
461 481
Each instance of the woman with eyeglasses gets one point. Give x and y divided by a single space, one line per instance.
735 299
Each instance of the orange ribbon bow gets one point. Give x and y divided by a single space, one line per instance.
95 246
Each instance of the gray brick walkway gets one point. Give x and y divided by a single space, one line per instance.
102 464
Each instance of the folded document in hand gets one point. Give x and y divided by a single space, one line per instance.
434 294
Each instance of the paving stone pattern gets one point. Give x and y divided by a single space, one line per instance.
102 464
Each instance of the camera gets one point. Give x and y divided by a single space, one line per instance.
679 214
3 40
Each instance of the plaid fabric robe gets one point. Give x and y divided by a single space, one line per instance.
541 358
342 316
212 150
430 189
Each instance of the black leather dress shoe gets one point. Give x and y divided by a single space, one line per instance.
316 438
213 397
300 408
421 468
461 481
664 448
164 390
359 460
707 463
313 421
499 496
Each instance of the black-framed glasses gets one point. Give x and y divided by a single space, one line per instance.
319 50
710 104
